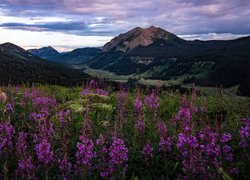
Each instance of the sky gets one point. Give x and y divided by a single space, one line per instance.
70 24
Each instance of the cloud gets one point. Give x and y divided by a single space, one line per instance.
112 17
178 16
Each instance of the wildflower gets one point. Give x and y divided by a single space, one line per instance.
85 151
102 92
226 149
21 144
243 143
121 106
7 132
234 171
64 118
246 121
165 144
226 137
184 113
46 130
65 165
118 152
152 101
121 99
44 152
162 128
138 106
10 107
26 165
85 92
244 131
147 152
100 140
140 126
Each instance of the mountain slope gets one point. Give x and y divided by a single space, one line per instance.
78 56
45 52
165 56
19 66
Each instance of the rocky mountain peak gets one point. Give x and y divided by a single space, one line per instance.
138 37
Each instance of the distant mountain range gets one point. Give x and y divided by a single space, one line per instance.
20 66
45 52
154 53
76 57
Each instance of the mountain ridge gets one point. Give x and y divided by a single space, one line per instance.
19 66
44 52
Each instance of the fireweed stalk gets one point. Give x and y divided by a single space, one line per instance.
151 101
121 106
7 133
26 166
64 163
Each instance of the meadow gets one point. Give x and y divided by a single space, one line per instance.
99 132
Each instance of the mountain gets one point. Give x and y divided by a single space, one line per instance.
153 53
45 52
139 37
20 66
78 56
75 57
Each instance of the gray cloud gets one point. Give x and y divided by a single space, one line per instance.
177 16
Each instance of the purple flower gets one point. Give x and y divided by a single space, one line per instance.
10 107
64 118
65 165
85 92
243 143
102 92
21 144
138 106
226 149
118 152
100 140
140 126
44 103
152 101
46 130
26 165
226 137
234 171
229 157
162 128
121 99
165 145
44 152
244 131
187 140
118 157
147 152
104 174
85 151
7 132
246 121
184 113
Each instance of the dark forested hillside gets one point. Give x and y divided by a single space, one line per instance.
19 66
